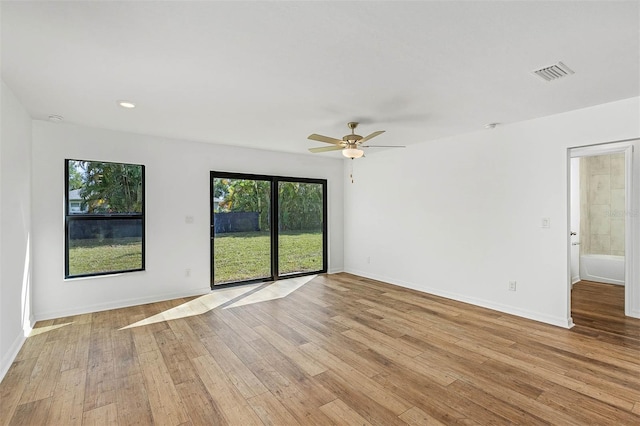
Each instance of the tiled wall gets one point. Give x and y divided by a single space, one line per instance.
602 206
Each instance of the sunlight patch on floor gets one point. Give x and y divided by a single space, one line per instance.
46 329
197 306
276 290
246 295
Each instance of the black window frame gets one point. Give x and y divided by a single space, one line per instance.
71 217
274 215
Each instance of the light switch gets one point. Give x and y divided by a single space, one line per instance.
545 222
188 219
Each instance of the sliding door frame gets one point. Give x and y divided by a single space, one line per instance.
273 228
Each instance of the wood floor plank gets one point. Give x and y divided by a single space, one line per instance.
191 344
366 385
238 323
166 406
585 410
175 357
76 355
132 401
358 400
430 397
341 349
303 395
271 411
509 412
46 372
233 405
67 403
143 337
101 383
32 413
124 354
201 408
293 395
242 348
416 417
370 337
34 345
624 402
272 320
242 378
341 413
290 350
13 385
400 358
298 382
100 416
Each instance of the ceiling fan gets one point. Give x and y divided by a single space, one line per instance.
349 144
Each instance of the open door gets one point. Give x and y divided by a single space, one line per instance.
601 238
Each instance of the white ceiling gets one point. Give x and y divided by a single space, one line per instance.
267 74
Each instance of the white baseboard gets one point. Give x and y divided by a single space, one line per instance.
11 354
117 304
536 316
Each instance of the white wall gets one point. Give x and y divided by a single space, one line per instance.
177 185
15 226
460 217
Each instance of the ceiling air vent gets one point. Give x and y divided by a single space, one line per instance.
553 72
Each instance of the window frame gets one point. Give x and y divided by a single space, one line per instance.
274 218
72 217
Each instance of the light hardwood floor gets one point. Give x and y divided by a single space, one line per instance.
339 350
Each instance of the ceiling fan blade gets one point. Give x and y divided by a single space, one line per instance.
371 136
326 139
383 146
326 148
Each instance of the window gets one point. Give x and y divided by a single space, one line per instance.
266 227
104 218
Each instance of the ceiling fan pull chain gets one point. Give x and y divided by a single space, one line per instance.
351 172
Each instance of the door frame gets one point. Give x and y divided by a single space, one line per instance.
619 147
273 219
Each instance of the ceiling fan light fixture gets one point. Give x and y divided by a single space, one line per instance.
352 153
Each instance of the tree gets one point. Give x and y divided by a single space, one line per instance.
300 206
111 187
220 188
245 195
75 176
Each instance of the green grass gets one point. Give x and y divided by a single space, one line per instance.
237 256
106 255
246 255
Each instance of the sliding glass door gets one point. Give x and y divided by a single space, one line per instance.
266 227
300 227
241 229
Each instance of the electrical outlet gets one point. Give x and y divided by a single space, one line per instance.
512 286
187 272
368 259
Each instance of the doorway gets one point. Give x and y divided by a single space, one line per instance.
600 240
264 228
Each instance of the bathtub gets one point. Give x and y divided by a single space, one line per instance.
602 268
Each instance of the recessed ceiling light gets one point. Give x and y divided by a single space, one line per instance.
491 125
126 104
56 118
